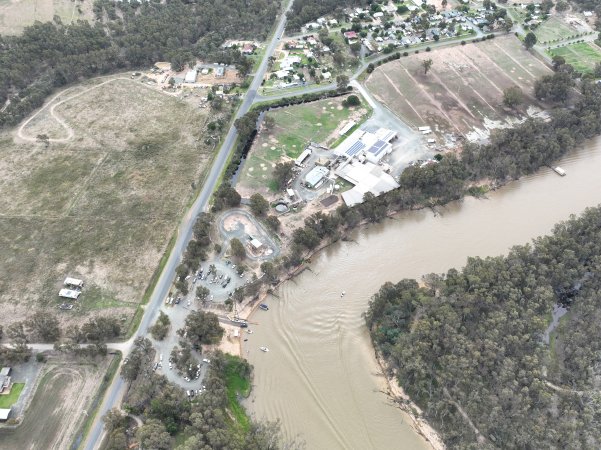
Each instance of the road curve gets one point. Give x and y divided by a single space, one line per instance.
117 388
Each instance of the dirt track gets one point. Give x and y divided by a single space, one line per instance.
52 104
56 410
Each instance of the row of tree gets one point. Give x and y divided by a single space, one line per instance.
470 343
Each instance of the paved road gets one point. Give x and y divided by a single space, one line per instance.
117 389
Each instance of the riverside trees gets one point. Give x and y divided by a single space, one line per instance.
473 338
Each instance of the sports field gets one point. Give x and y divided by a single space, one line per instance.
582 56
17 14
554 29
100 200
294 128
464 87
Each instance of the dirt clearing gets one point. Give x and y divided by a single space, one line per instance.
463 90
102 202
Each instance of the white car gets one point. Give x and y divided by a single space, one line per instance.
205 360
161 357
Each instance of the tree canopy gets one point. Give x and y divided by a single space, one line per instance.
472 339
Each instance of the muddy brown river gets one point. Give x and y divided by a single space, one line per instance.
320 377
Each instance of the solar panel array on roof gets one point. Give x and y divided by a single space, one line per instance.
355 148
377 148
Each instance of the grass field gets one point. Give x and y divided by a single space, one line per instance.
295 127
554 29
464 88
56 409
101 202
236 385
7 400
17 14
582 56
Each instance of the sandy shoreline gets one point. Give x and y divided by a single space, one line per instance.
404 402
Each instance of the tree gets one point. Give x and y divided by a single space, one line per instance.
342 82
352 100
43 326
512 96
558 61
161 327
269 270
16 332
530 40
282 173
114 419
273 222
427 64
202 293
237 248
561 6
444 4
596 73
101 329
268 121
202 328
153 435
508 24
258 204
554 87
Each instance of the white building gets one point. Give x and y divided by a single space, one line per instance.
68 293
367 177
315 176
345 129
302 157
190 76
256 244
365 145
289 61
73 282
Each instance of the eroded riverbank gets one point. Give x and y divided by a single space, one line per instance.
321 377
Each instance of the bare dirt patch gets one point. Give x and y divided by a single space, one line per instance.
103 204
463 91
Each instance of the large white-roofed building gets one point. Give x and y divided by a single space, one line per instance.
315 176
371 146
190 76
367 177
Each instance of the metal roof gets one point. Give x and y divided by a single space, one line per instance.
316 175
377 148
355 148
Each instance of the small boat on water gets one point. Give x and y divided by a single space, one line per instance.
559 171
264 307
343 293
249 331
264 349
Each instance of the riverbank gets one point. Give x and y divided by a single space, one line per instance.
400 397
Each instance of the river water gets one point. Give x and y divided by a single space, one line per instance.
320 376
